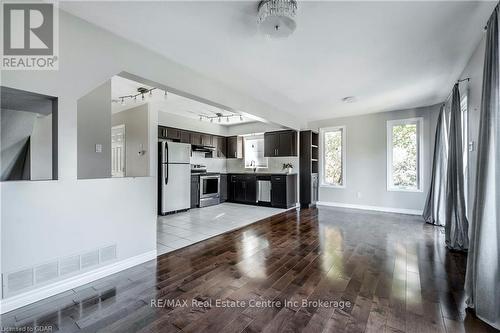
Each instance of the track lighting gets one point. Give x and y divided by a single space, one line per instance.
219 119
227 119
165 96
151 93
211 120
143 97
241 117
201 118
122 101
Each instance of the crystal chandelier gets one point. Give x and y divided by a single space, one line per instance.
276 18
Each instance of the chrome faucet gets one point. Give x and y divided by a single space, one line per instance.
252 163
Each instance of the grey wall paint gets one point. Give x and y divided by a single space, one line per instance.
366 160
16 127
136 121
94 127
474 70
41 148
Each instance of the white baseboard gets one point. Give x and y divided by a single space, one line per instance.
374 208
17 301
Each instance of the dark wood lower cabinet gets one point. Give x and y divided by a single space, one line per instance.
195 191
242 188
223 188
283 191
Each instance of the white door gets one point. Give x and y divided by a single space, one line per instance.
118 151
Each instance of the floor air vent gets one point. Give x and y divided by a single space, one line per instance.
107 253
25 279
46 272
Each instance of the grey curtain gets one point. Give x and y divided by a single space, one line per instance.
482 282
456 225
434 210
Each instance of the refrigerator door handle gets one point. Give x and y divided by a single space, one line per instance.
165 173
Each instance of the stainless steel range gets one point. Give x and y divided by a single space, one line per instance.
209 185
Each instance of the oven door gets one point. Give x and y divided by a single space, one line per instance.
209 186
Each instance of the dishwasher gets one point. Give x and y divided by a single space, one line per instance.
264 190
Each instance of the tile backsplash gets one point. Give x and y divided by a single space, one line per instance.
213 164
222 165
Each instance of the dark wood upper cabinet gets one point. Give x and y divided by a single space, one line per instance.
206 139
270 144
173 134
221 147
219 143
185 137
162 132
280 143
195 138
234 147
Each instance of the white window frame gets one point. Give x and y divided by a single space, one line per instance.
264 159
322 132
419 121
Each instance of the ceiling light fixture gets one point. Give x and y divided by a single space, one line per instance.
219 119
141 91
241 117
276 18
165 96
227 119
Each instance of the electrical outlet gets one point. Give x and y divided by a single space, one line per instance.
98 148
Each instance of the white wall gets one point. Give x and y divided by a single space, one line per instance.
474 71
185 123
45 220
366 160
136 121
250 128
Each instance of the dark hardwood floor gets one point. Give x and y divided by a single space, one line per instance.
355 271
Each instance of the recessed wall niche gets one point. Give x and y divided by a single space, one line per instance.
28 135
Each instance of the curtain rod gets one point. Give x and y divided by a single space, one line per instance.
458 82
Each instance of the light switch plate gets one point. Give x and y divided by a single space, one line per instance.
472 146
98 148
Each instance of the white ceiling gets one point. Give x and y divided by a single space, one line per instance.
390 55
173 103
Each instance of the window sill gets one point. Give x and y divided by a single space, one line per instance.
395 189
340 187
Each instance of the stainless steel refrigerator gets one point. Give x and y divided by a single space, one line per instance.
174 176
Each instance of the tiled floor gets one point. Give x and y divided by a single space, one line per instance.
186 228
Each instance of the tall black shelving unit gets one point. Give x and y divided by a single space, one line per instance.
309 167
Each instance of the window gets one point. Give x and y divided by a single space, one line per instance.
404 155
333 156
254 152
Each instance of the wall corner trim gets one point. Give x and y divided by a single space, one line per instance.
373 208
17 301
